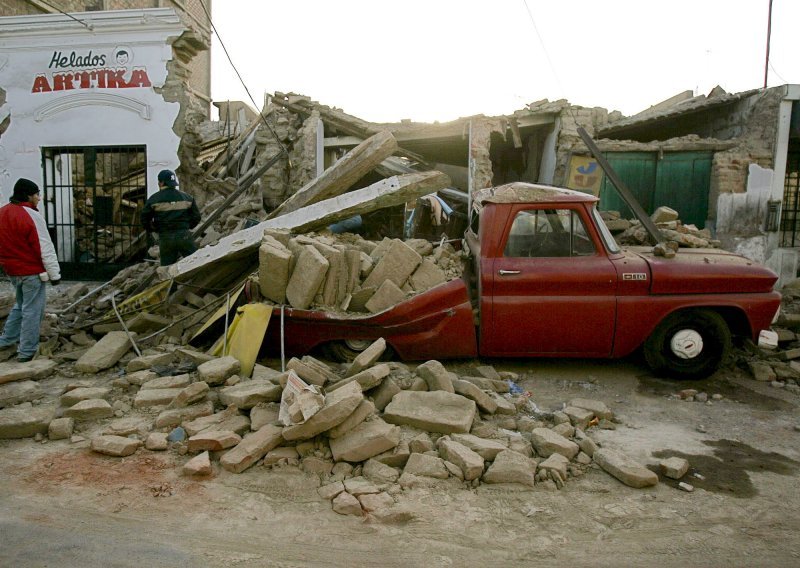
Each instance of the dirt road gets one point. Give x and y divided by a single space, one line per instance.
62 505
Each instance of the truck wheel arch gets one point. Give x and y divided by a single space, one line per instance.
345 350
691 343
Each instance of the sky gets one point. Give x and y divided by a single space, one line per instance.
438 60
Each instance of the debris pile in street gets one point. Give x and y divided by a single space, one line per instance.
368 429
631 232
780 366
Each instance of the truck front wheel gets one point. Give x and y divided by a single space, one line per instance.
346 350
688 345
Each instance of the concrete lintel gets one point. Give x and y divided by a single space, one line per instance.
385 193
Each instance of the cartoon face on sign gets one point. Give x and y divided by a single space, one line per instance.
123 56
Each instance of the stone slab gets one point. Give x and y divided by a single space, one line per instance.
366 440
22 422
105 353
436 411
624 468
252 448
36 369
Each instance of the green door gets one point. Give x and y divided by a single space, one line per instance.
679 180
638 171
682 183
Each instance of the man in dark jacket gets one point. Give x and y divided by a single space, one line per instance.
28 256
171 213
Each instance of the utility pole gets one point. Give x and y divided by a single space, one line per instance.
769 32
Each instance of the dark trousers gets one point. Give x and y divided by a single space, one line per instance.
174 244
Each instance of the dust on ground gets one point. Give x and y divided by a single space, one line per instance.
60 504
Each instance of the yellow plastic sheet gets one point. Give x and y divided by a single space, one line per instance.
220 313
143 300
245 336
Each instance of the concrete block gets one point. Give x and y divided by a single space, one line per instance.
252 448
674 467
426 276
436 411
339 404
213 440
397 264
21 391
92 409
436 376
423 465
547 442
470 463
169 382
147 361
384 393
484 401
105 353
367 358
627 470
176 416
487 449
116 446
249 393
36 369
386 296
155 397
274 261
361 413
61 428
366 440
309 273
359 299
25 422
74 396
219 370
511 467
198 465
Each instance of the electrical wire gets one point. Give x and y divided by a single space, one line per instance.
225 49
70 16
549 60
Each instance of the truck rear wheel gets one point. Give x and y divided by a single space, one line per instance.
346 350
688 345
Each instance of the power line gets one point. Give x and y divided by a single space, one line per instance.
70 16
263 119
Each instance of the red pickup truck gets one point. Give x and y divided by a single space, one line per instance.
547 279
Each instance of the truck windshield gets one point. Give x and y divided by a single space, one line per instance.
608 238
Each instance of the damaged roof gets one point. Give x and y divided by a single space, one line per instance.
654 118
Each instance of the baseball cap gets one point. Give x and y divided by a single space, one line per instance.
168 178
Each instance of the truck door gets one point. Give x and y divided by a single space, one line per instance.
551 288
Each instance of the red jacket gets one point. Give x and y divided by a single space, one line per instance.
25 245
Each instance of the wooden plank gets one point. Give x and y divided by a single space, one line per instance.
343 174
244 244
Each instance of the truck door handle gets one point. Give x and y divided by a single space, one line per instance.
504 272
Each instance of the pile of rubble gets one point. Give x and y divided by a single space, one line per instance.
349 273
369 430
631 232
779 364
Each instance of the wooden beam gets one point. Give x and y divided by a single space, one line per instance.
343 174
244 244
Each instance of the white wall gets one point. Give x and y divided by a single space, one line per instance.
37 52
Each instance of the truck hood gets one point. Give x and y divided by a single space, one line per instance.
705 271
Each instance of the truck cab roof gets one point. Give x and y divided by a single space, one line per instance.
521 192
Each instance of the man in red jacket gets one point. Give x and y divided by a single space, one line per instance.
28 257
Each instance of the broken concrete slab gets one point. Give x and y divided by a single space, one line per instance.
20 391
396 265
484 401
624 468
339 404
386 296
368 378
105 353
384 393
249 393
176 416
191 394
198 465
511 467
117 446
436 376
470 463
597 407
219 370
36 369
547 442
91 409
274 260
579 417
366 440
367 358
25 421
487 449
219 421
346 504
424 465
362 411
74 396
389 192
213 440
155 397
307 276
378 472
436 411
426 276
169 382
61 428
674 467
252 448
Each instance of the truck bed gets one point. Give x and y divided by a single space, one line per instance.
435 324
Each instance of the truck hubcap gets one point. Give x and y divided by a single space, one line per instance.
686 344
357 344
